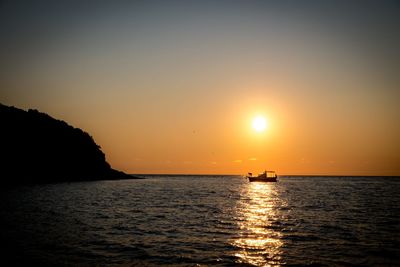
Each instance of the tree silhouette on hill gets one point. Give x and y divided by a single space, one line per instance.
36 148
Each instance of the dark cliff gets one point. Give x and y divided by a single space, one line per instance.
36 148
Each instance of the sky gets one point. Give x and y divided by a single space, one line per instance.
173 86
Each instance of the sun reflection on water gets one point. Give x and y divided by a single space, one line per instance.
258 243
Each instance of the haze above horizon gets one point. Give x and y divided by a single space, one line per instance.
214 87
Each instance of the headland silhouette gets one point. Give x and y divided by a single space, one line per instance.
36 148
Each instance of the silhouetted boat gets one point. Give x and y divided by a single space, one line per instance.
266 176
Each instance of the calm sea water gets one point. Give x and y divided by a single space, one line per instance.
204 220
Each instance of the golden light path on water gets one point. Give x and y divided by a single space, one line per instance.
258 243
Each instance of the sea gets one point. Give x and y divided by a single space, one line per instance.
195 220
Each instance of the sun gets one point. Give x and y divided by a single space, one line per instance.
259 123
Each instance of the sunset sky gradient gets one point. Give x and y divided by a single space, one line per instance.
173 86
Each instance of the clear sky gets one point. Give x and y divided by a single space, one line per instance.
174 86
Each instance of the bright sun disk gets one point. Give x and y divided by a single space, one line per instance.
259 124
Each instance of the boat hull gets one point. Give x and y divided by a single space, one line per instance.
262 179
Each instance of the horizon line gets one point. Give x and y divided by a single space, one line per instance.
281 175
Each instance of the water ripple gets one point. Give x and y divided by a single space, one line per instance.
200 221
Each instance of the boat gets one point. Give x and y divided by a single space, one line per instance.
266 176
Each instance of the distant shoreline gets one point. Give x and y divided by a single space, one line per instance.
283 175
